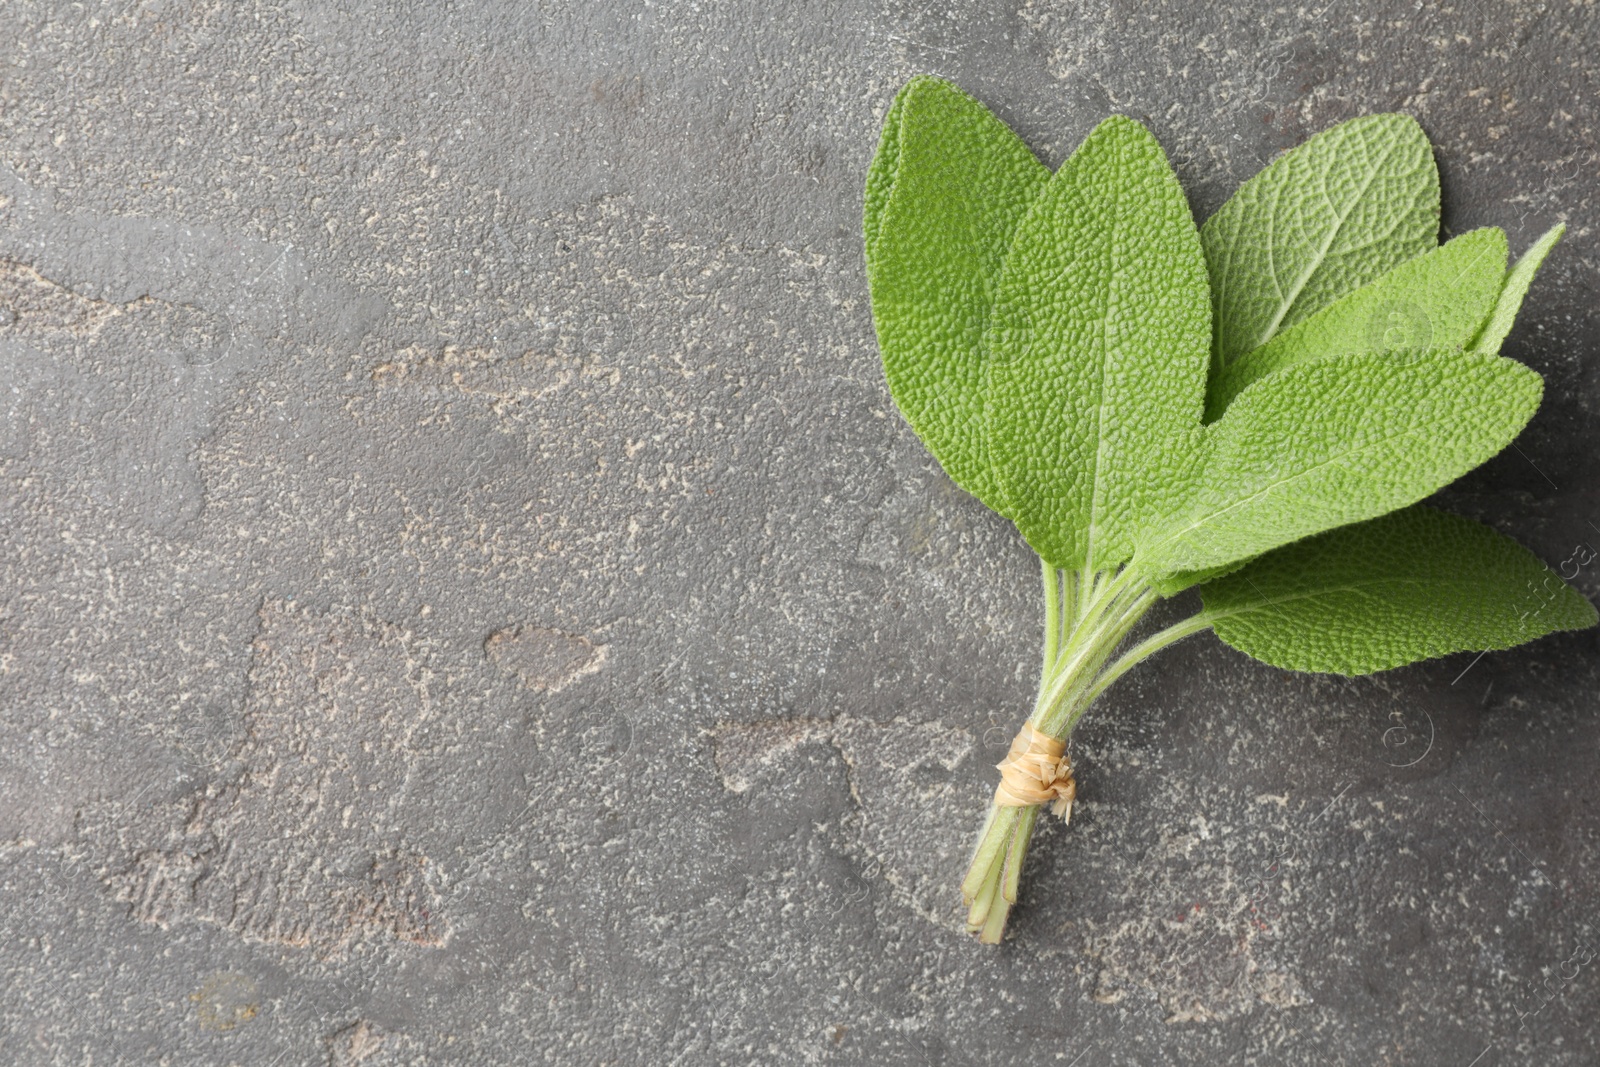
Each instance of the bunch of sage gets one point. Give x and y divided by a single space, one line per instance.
1254 407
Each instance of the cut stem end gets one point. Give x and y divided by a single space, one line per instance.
993 879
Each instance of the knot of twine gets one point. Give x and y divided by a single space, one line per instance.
1036 771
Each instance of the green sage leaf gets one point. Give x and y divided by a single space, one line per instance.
1437 300
1408 586
944 192
1321 220
1332 441
1516 287
1098 349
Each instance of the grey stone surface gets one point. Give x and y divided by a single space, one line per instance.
468 599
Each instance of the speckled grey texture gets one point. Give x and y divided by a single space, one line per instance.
468 599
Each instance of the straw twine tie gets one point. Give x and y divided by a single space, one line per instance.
1036 771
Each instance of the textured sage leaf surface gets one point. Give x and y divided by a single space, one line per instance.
1323 219
1437 300
1516 287
1177 581
1098 347
945 191
1379 594
882 172
1333 441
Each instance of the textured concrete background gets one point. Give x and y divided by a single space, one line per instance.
467 598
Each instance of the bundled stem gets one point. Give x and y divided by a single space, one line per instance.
1087 616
